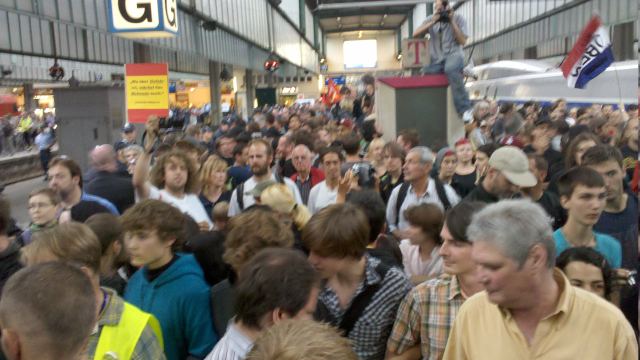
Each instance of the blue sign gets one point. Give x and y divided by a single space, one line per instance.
143 18
338 80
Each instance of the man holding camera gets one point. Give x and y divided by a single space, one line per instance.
447 34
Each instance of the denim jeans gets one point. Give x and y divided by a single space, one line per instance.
452 67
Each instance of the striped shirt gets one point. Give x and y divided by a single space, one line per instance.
426 316
371 330
234 345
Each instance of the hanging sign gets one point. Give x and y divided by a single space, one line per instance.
143 18
147 91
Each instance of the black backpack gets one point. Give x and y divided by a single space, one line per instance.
440 190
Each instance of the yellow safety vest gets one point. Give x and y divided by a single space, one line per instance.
118 342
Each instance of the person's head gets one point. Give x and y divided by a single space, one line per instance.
301 340
336 236
508 171
607 160
418 164
394 156
301 158
65 176
284 147
456 247
480 110
225 144
350 143
578 146
375 150
132 153
323 136
408 139
294 122
213 173
108 229
630 133
44 205
447 166
103 158
587 269
331 159
514 251
583 194
47 311
153 232
192 149
129 133
538 166
373 207
483 153
72 243
425 224
252 231
275 285
464 151
241 153
174 171
260 157
280 198
220 215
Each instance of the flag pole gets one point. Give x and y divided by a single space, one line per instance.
615 69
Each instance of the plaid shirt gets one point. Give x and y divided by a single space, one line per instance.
370 332
147 348
426 316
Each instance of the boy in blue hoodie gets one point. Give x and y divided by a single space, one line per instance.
169 285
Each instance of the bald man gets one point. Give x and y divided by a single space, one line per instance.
306 176
107 180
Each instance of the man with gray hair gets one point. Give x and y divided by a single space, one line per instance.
529 310
418 188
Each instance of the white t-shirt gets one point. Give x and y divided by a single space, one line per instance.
234 345
413 264
321 196
234 207
189 204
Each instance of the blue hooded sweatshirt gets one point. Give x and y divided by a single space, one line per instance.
179 299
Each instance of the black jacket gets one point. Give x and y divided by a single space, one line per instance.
113 187
9 263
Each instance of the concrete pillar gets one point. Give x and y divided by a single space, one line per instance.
29 93
251 91
216 95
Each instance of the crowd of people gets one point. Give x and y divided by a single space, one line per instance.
304 234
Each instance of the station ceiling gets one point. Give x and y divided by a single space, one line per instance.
354 15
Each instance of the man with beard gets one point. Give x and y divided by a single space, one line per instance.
65 178
260 158
508 171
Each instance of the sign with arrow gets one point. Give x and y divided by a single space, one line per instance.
143 18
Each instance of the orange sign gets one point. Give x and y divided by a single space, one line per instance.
147 90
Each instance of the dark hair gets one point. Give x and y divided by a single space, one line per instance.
540 161
157 173
428 217
83 210
589 256
350 143
602 153
303 137
373 206
108 229
165 219
274 278
5 216
410 136
572 147
263 142
69 164
579 175
339 230
459 217
488 149
394 150
331 150
239 148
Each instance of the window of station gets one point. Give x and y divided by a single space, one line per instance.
360 54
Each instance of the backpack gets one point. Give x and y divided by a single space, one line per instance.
240 191
440 190
358 304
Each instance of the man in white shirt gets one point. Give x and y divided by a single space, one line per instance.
421 189
325 192
276 284
260 158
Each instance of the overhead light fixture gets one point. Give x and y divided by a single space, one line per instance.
399 57
322 60
384 16
338 19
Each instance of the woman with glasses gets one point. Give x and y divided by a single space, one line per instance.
44 208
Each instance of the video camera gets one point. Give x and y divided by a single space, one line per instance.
444 13
366 174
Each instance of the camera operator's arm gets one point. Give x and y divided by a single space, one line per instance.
422 30
461 37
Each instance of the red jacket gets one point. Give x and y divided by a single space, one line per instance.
315 174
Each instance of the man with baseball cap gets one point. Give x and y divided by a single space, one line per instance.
507 172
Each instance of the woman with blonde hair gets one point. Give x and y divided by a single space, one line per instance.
213 177
375 156
280 199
